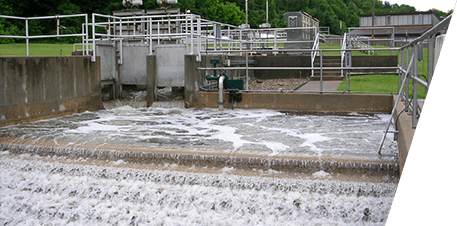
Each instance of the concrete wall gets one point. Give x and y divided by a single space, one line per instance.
374 61
405 133
298 102
282 61
192 79
33 88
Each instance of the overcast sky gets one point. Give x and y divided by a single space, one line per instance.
424 5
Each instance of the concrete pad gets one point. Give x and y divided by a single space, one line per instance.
315 86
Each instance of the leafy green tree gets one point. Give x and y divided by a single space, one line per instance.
6 27
227 13
329 12
70 25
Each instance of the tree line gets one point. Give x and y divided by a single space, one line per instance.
328 12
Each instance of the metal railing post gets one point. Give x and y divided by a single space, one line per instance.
406 92
431 57
199 38
27 36
121 42
150 35
247 71
191 35
86 30
415 75
94 57
321 72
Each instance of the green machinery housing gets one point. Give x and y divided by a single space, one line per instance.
229 84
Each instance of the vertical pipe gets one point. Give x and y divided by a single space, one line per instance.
108 31
392 52
406 92
241 43
94 58
27 36
134 25
58 25
321 70
150 36
229 39
247 71
221 92
214 34
400 65
276 40
415 75
431 58
267 11
86 46
246 13
158 33
83 40
169 26
191 34
373 19
121 42
199 38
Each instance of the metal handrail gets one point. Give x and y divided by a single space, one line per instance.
84 35
314 53
396 104
415 46
343 52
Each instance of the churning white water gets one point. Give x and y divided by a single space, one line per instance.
353 135
42 190
36 191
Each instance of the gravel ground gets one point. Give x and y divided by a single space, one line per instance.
277 84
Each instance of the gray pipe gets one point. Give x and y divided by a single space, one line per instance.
221 92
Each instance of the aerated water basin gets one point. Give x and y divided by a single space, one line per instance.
271 132
37 189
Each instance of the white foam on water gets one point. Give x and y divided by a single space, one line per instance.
239 129
42 192
321 174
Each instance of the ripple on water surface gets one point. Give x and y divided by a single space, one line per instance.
241 130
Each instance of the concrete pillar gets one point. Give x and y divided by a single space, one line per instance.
151 79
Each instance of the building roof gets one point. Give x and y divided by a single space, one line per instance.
399 30
400 13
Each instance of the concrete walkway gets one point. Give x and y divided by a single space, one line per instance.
315 86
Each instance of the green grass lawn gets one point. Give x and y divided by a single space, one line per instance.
36 49
378 84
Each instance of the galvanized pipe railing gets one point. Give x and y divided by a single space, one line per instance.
346 67
84 35
415 48
314 53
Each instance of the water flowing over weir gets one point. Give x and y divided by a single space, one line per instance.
69 193
134 165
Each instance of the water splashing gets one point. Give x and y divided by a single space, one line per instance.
37 191
255 167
